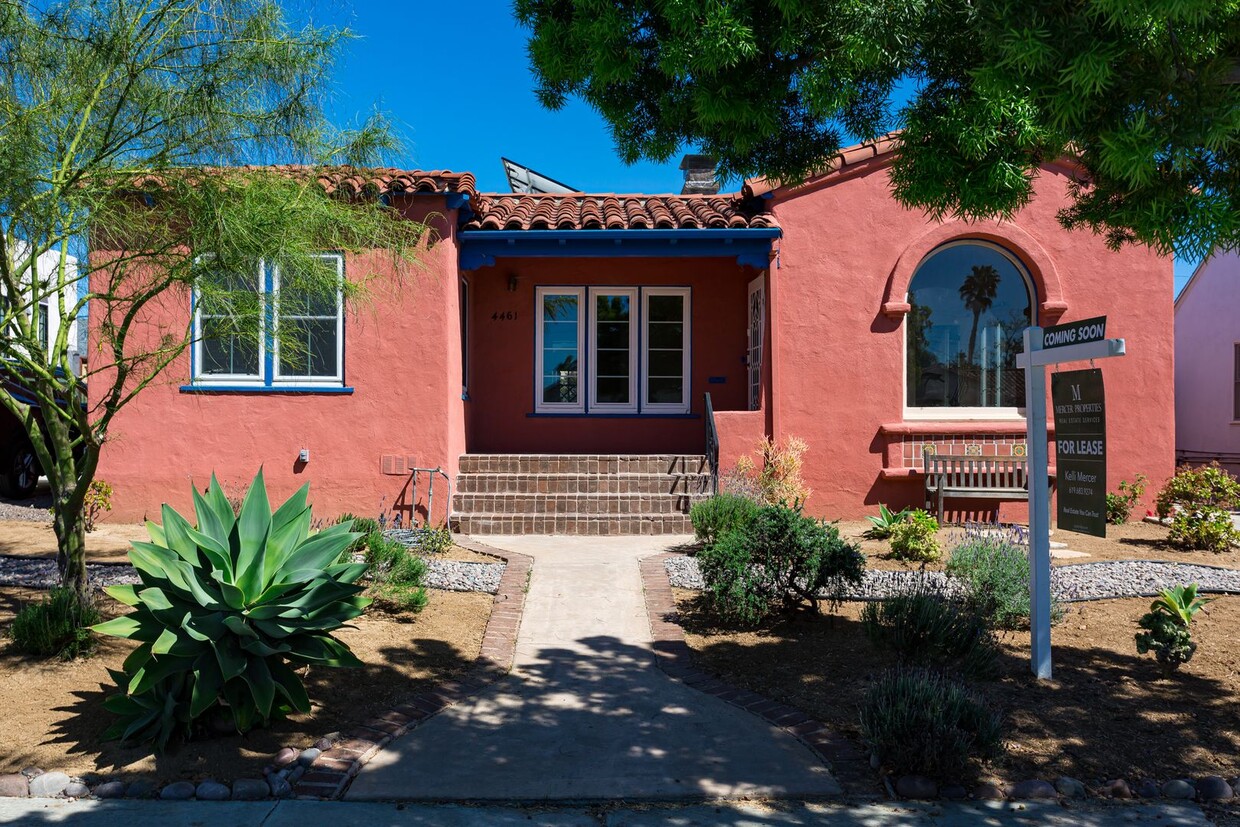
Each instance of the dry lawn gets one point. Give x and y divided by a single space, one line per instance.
54 715
1107 714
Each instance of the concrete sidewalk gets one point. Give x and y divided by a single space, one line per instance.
586 714
33 812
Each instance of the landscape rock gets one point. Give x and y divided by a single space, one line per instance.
989 792
177 791
1179 789
31 772
76 789
49 784
308 756
296 774
250 789
142 788
1210 788
326 742
212 791
1069 787
916 786
1148 789
14 785
280 788
954 792
1117 788
110 789
875 761
285 757
1034 788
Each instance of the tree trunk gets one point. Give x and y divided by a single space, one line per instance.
71 545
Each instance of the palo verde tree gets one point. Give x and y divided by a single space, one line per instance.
1142 94
125 124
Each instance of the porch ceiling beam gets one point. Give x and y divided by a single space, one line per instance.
749 246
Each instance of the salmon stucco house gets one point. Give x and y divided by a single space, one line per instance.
555 354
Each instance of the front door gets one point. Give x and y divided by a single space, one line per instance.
757 328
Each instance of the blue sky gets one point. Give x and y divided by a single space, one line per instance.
454 77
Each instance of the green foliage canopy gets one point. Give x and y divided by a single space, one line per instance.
1142 94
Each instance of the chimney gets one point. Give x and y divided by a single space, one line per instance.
699 175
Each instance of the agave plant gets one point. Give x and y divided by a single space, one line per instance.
884 524
1168 627
225 610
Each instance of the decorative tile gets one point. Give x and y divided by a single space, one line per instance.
972 449
1018 450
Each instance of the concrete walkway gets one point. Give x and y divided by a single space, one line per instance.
34 812
586 714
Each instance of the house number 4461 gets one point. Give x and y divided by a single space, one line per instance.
504 316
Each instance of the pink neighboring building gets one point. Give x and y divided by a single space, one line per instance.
554 355
1207 364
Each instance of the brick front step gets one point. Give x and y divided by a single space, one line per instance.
589 494
596 525
553 483
584 505
583 464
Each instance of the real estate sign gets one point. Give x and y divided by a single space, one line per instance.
1080 451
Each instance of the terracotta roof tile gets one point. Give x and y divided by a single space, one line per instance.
594 211
844 161
351 179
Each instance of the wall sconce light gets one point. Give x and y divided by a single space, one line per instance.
512 284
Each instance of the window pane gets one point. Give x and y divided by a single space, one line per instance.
559 356
667 308
226 353
612 391
969 309
613 363
666 362
308 347
665 334
41 332
612 354
669 391
613 335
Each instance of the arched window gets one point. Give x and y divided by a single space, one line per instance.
970 304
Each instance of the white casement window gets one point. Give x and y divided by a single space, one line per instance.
309 330
613 350
224 353
665 351
243 340
559 344
1235 410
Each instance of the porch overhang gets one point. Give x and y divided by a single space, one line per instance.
750 246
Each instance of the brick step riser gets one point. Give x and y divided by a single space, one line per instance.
582 484
569 505
580 526
535 464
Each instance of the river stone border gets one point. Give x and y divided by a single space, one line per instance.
324 770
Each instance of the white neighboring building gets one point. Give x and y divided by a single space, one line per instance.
1207 364
49 315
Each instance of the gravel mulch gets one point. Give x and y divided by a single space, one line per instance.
450 575
32 511
1082 581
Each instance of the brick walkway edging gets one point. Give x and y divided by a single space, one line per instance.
675 657
331 773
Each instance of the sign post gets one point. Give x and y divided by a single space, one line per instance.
1073 342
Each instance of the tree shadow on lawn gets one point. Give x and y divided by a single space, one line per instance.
341 699
1106 715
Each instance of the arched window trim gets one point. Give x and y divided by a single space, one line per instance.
974 413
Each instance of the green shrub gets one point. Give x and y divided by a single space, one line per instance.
1207 527
59 624
1168 627
918 721
914 540
397 573
716 516
776 561
1193 488
96 503
1121 503
225 612
432 540
886 521
993 570
364 526
924 626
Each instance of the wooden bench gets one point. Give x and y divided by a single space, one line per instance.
991 478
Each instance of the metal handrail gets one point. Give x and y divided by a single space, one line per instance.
712 445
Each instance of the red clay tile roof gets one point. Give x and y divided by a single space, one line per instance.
351 179
843 162
589 211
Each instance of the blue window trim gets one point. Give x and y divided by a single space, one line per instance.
537 415
267 382
750 246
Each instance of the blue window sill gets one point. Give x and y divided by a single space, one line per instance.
266 389
611 416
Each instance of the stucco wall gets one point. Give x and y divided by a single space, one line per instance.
848 250
502 378
402 358
1207 328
